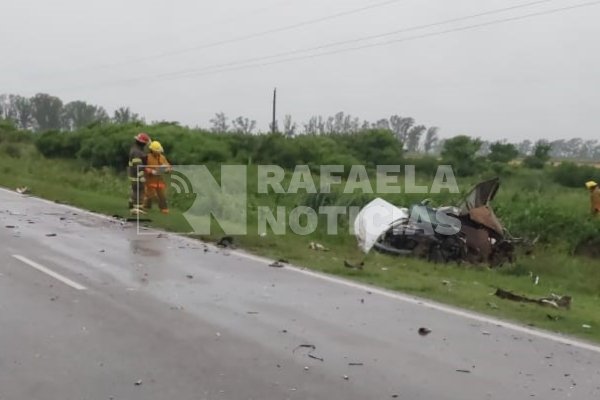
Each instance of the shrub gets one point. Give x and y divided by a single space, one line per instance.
11 150
572 175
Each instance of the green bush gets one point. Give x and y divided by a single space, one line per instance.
10 149
572 175
425 166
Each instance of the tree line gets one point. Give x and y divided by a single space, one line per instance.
43 112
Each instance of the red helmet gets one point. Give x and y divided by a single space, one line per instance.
142 138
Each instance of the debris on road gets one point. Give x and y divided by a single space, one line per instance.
553 300
10 227
190 276
317 247
23 190
346 377
252 312
312 347
138 383
356 364
276 264
51 234
424 331
226 242
310 354
464 371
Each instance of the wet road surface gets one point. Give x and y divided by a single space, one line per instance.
89 309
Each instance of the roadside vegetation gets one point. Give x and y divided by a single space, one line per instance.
86 167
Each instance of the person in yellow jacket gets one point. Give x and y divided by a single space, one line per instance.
157 166
594 196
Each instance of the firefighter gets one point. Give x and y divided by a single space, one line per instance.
137 160
157 166
594 196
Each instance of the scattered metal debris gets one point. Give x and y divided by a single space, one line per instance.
226 242
310 354
138 383
424 331
276 264
312 347
553 300
346 377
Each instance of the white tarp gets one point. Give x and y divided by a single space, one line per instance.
374 220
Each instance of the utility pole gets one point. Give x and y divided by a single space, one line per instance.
274 123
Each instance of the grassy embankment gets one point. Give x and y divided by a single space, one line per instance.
526 199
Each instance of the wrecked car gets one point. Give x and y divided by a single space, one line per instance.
469 232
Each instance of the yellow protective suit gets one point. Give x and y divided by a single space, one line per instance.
156 166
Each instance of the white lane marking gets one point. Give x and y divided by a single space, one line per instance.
382 292
49 272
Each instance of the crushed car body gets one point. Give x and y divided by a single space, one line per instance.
468 232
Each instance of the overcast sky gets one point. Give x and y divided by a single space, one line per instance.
532 78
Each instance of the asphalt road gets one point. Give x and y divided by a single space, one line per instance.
100 312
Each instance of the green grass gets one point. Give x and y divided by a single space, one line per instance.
465 286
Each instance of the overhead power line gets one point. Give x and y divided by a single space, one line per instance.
234 67
352 41
255 35
389 42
